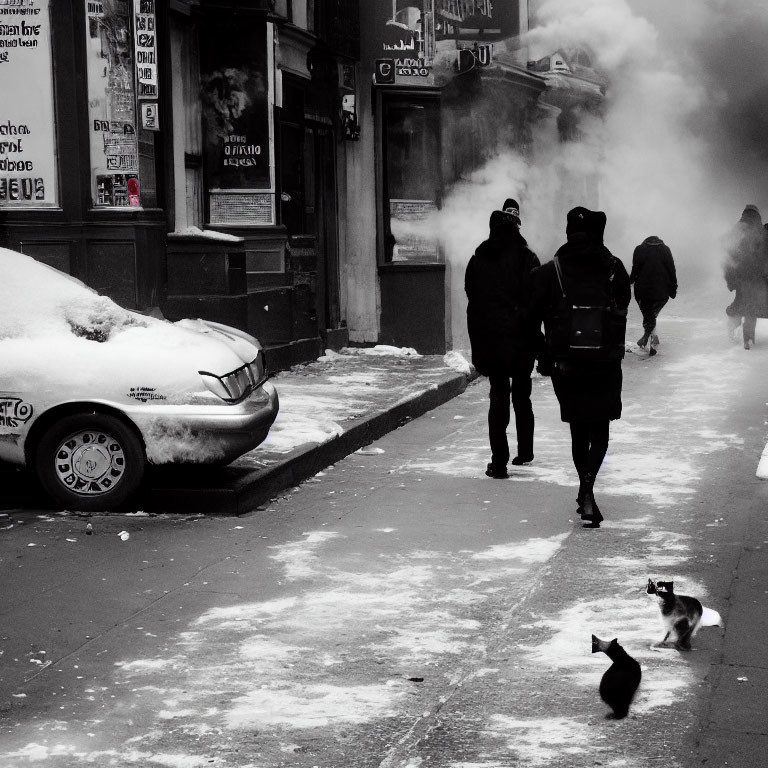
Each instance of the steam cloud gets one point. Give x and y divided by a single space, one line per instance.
678 153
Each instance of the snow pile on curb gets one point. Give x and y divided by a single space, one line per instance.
456 360
378 351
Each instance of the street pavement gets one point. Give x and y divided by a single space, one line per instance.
400 609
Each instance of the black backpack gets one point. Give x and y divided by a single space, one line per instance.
587 333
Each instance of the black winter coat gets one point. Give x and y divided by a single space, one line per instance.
586 391
746 270
653 271
497 284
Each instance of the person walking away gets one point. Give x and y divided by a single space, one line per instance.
745 272
655 280
497 284
582 297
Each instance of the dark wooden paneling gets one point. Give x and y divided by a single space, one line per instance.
111 268
413 308
57 255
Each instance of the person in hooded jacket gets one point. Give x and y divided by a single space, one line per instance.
746 271
588 391
503 340
655 279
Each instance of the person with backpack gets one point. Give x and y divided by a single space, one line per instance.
503 339
655 280
582 297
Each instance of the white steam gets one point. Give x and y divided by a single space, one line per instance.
655 165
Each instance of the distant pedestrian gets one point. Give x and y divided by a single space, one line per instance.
746 271
655 279
582 297
503 340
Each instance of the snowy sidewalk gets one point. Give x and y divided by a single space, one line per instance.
328 409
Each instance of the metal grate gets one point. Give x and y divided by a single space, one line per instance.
242 208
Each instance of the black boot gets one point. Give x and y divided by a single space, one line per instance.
589 509
581 495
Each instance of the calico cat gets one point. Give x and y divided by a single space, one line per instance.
621 679
682 615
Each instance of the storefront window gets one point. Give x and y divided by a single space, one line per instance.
412 181
27 125
112 106
234 85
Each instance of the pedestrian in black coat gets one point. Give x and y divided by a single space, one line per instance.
746 271
655 279
589 392
503 339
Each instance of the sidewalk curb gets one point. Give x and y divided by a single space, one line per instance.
239 491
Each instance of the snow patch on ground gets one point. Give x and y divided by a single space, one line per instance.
530 551
319 706
537 741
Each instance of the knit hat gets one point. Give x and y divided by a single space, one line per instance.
751 213
577 220
512 208
497 220
591 223
597 223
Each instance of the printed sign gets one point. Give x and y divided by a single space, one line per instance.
412 241
27 126
150 120
145 43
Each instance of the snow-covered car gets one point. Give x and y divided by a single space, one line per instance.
91 392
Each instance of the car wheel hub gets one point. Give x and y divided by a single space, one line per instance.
90 462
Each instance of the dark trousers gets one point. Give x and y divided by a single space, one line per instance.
747 326
650 310
589 444
519 386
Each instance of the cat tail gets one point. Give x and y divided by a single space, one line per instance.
710 618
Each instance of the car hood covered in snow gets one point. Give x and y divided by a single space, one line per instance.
57 334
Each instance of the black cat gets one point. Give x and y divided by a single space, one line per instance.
682 615
621 679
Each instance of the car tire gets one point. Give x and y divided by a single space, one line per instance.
90 462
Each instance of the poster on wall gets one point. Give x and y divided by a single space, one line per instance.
414 34
112 104
27 125
234 89
145 22
412 238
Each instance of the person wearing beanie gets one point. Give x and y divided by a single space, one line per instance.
746 273
502 337
655 280
512 210
582 296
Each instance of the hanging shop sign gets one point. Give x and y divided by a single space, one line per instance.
27 125
112 104
236 111
418 35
